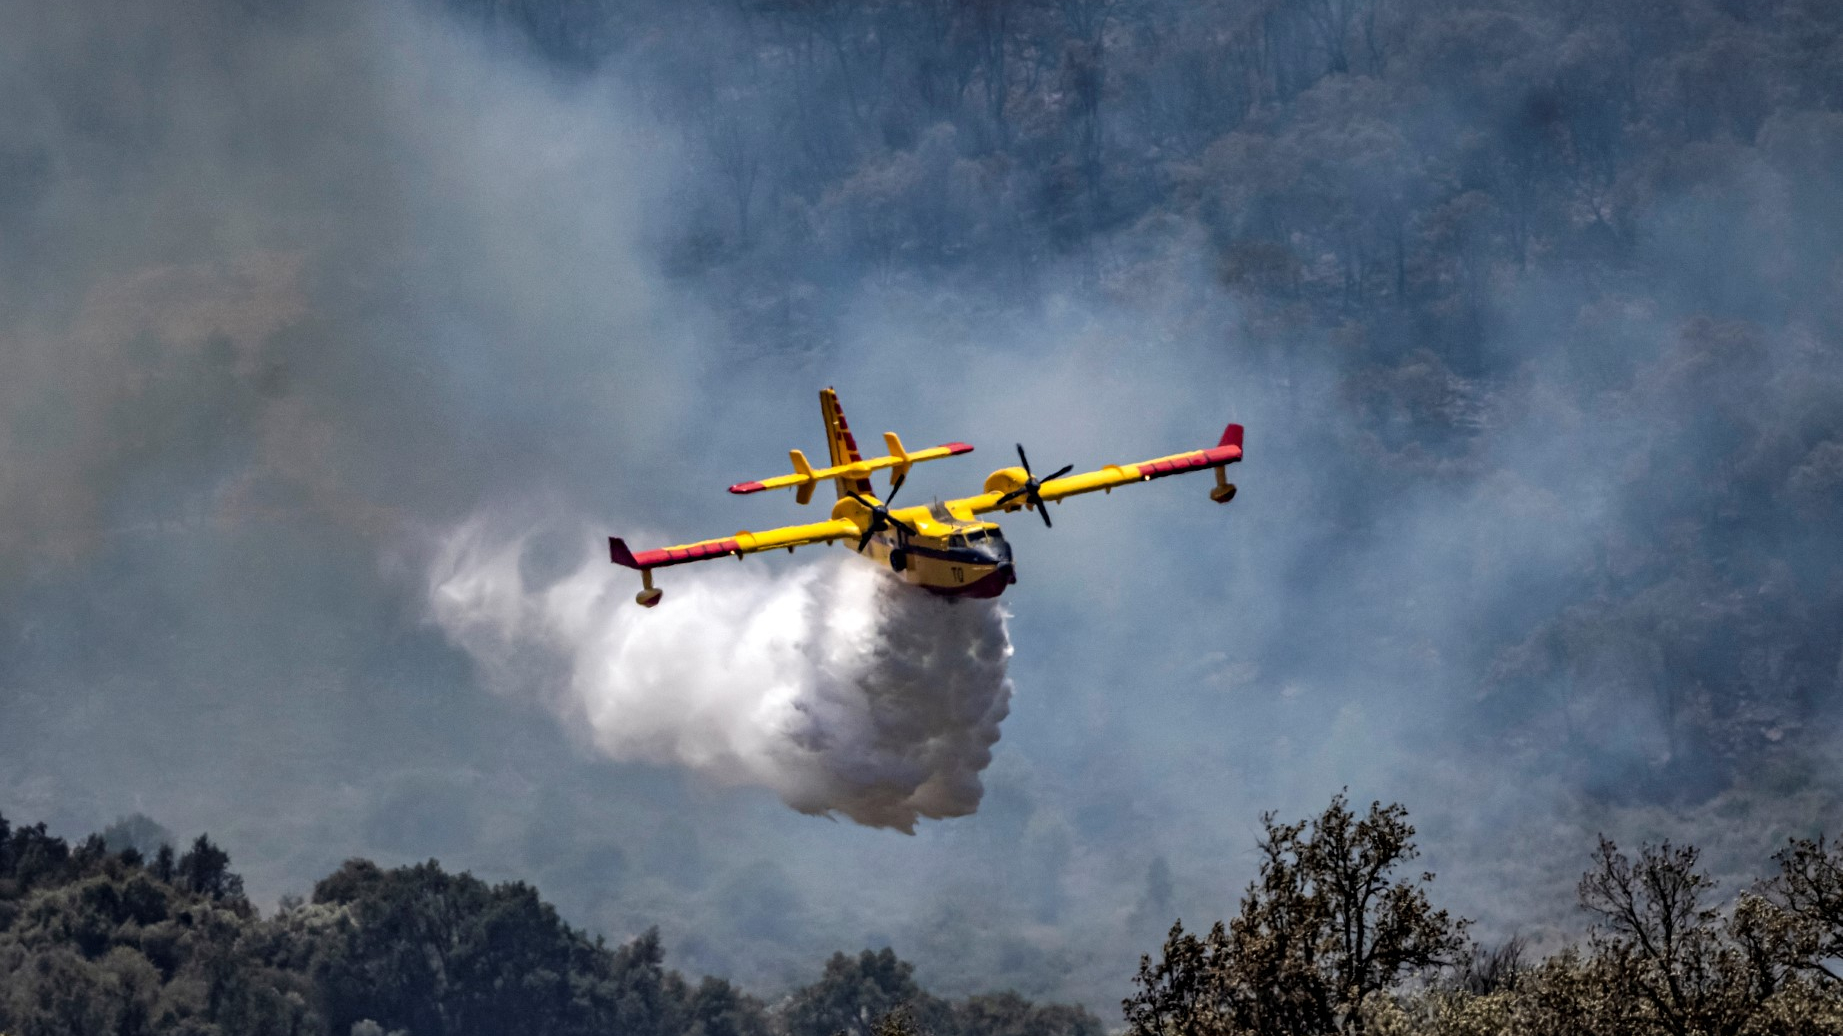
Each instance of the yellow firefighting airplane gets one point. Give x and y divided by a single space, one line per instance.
940 547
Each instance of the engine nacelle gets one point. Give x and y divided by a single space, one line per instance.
1006 480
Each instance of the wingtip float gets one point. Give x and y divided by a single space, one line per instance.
943 547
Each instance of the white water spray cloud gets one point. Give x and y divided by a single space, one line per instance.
833 684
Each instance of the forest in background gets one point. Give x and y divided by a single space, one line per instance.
120 935
1336 935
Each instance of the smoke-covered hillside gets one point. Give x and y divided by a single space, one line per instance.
1531 311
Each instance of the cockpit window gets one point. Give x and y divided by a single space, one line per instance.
956 541
975 536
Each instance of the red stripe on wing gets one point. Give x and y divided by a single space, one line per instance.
682 555
1191 462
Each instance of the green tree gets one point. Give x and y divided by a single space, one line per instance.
437 954
1663 947
720 1009
1324 927
205 869
899 1022
636 993
1808 895
855 992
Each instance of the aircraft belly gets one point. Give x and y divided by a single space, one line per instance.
944 576
990 583
950 578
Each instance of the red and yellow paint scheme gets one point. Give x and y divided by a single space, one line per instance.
943 547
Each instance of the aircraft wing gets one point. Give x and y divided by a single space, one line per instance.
789 536
1003 482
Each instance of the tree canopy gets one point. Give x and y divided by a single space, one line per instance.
94 940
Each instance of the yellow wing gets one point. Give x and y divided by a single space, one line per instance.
788 536
1005 488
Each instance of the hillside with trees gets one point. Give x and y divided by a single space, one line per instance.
100 938
1336 934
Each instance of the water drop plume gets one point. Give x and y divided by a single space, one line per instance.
831 682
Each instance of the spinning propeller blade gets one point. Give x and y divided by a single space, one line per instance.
880 515
1029 490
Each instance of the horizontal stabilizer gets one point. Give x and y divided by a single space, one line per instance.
806 475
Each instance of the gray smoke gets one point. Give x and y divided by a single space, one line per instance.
288 291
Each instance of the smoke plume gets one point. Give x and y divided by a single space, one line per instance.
831 683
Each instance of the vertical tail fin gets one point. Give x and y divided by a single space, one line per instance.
844 448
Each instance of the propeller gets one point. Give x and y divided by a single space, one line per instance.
880 515
1029 490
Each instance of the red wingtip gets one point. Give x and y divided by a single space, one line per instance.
747 487
619 554
956 448
1231 436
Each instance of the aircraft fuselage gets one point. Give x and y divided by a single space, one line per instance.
962 559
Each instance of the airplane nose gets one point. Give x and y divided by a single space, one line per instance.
1009 573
